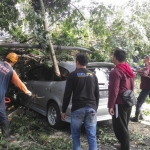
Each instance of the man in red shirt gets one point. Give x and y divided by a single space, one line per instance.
119 81
144 86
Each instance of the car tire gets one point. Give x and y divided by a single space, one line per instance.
54 116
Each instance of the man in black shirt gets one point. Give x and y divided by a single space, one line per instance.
82 85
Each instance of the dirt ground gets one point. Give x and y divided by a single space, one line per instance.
139 135
36 134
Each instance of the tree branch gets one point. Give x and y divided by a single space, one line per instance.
78 10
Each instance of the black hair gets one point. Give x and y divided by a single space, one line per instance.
147 56
82 58
120 54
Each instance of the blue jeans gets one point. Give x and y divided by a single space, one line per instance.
86 116
140 100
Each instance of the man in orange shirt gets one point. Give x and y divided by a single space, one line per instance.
7 75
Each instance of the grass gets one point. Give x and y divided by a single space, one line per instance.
35 134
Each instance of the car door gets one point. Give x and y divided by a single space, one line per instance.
40 83
42 93
59 87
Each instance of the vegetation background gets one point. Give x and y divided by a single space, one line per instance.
98 27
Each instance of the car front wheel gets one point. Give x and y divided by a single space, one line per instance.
54 116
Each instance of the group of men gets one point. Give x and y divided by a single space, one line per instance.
82 86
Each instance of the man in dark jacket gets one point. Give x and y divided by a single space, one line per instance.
144 86
82 84
119 81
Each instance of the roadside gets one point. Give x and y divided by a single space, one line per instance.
146 114
34 133
140 136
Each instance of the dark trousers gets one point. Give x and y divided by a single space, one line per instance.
4 120
140 100
120 126
3 114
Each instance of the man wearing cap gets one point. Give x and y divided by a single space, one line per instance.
7 75
144 86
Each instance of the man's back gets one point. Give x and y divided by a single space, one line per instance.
5 76
84 88
84 85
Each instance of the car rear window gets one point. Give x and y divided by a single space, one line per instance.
102 74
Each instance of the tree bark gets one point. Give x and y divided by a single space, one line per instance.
50 46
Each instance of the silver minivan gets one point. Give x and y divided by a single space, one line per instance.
48 90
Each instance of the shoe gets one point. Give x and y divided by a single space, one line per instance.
142 117
117 146
134 119
5 133
11 139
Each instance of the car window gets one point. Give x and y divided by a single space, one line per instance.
102 74
63 74
40 73
103 79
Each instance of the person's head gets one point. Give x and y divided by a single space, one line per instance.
81 60
146 59
12 58
119 56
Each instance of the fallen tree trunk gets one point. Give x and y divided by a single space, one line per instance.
18 45
56 47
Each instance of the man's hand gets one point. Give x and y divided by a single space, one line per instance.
29 94
111 111
63 116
